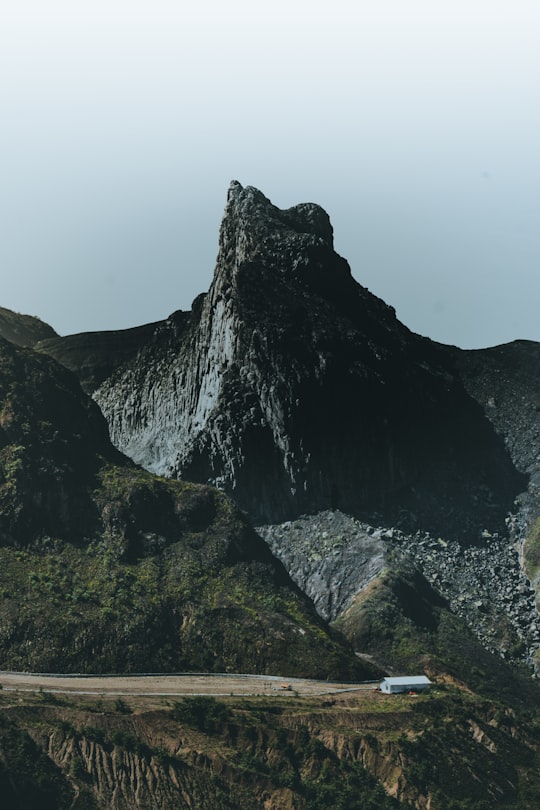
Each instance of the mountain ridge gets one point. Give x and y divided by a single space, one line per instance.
400 483
288 357
299 393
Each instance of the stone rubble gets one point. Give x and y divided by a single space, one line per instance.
333 556
330 556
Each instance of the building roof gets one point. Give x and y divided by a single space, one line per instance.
407 679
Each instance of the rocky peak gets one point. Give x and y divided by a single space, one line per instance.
253 228
247 207
295 389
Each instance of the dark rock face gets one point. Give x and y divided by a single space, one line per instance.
52 441
505 381
93 356
331 556
296 390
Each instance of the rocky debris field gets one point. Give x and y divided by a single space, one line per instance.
333 556
483 584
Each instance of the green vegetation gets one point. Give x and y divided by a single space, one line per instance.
121 706
171 611
407 625
347 786
106 568
204 713
28 778
531 552
449 749
66 608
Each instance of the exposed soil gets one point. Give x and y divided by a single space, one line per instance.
182 684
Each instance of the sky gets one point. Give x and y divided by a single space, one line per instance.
416 125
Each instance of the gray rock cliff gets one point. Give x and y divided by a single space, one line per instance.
294 389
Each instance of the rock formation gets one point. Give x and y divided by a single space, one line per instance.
295 390
299 393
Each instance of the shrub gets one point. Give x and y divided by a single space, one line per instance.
122 707
203 713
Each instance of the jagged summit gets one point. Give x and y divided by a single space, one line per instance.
246 205
295 389
259 241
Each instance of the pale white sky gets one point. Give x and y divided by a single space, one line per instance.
415 124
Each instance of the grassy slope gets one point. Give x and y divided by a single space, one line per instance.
104 567
209 597
408 627
531 552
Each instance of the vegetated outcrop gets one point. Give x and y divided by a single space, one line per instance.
406 622
446 749
24 330
105 567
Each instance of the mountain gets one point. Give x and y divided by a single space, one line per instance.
352 443
24 330
294 389
106 568
397 480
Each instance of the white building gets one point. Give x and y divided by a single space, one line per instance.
407 683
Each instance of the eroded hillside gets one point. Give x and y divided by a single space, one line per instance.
447 749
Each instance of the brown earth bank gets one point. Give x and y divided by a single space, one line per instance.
286 750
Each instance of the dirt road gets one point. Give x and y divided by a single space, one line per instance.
173 685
